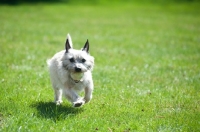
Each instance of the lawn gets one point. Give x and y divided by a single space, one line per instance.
146 74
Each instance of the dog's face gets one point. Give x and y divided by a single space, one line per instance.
77 61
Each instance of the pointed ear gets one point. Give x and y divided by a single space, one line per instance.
86 47
69 40
67 46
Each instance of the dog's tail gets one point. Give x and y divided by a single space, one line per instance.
69 40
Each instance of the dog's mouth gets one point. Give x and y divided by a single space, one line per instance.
76 81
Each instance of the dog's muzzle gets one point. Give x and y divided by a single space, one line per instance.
77 69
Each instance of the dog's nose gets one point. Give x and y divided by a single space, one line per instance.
77 69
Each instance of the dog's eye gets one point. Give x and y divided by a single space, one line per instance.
83 60
72 60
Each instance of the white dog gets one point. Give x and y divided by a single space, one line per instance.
70 72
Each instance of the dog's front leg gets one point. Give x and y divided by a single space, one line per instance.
88 93
58 96
74 98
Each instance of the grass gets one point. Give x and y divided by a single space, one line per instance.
146 75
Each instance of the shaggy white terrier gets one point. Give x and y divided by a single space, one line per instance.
70 72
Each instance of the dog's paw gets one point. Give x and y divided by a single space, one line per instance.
58 102
78 103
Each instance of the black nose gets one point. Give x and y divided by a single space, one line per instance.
77 69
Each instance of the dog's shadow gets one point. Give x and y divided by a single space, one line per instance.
50 110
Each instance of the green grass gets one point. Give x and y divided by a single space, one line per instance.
146 75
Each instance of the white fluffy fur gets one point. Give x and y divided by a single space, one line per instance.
60 68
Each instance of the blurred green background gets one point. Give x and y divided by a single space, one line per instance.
90 1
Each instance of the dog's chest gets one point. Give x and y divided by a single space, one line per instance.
78 86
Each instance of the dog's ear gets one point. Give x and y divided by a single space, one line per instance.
86 47
67 46
69 40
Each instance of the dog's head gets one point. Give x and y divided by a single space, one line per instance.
77 61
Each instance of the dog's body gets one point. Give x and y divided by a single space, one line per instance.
70 72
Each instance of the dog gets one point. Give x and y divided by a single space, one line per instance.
71 72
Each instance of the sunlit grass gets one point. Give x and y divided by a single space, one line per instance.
146 73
